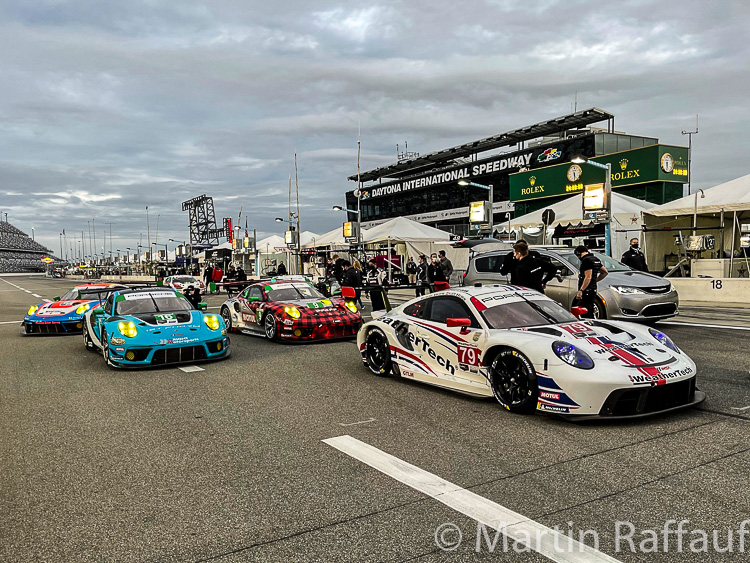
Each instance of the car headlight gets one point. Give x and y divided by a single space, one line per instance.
293 312
82 308
626 290
33 309
664 339
212 321
127 329
351 306
572 355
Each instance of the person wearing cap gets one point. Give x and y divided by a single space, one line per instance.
591 272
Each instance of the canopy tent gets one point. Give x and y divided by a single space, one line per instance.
718 211
626 220
307 237
401 229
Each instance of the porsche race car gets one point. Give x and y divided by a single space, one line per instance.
151 327
181 283
290 310
531 354
64 315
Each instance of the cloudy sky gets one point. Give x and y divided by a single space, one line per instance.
107 107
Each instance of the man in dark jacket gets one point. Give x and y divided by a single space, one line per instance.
281 270
634 258
208 275
352 278
532 272
510 262
338 269
446 265
421 275
435 271
411 270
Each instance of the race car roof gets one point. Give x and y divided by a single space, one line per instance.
511 291
146 290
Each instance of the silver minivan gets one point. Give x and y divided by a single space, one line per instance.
625 294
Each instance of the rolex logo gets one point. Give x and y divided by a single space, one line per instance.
532 180
623 164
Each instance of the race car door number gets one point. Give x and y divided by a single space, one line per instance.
468 355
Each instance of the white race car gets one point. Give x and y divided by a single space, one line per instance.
530 354
181 283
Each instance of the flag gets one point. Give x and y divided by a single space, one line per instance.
247 235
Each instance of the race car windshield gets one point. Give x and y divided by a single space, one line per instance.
152 303
526 313
185 279
293 293
95 294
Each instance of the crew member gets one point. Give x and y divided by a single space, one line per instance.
510 263
446 265
338 269
421 275
411 270
532 272
435 271
592 271
193 294
352 279
634 258
281 270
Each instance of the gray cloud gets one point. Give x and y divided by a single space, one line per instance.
109 107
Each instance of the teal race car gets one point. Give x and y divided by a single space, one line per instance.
147 327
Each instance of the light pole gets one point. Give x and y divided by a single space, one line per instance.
695 210
359 223
607 198
508 216
492 201
294 219
690 151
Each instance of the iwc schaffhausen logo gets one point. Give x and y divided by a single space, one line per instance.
667 163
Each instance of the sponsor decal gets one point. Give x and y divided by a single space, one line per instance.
477 336
407 373
548 395
661 377
155 295
248 318
469 355
165 319
552 408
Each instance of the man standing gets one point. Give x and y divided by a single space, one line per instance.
532 272
281 269
353 279
338 269
592 271
435 271
510 263
634 258
421 275
446 265
411 270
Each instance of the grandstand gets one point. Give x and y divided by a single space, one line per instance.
18 253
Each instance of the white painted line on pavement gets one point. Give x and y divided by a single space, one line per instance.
35 295
10 322
546 541
741 409
190 369
355 423
705 325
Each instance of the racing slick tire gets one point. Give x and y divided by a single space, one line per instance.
105 349
270 326
87 342
600 311
227 316
378 353
513 381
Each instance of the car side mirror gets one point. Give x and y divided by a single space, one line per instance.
56 298
463 323
348 292
564 272
559 278
202 306
579 311
98 311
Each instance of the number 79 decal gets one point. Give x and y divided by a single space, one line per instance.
468 355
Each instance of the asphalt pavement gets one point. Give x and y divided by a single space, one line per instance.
230 464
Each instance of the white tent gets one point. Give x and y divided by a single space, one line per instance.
401 229
719 211
626 220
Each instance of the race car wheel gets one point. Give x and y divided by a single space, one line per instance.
513 381
87 342
600 311
105 348
269 325
378 352
227 316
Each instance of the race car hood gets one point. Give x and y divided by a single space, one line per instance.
61 308
163 318
609 340
311 305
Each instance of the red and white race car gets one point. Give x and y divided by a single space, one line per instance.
181 283
531 354
291 311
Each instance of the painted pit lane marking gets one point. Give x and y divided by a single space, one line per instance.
26 290
741 409
10 322
515 526
705 325
190 369
355 423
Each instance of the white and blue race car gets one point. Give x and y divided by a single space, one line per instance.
151 327
531 354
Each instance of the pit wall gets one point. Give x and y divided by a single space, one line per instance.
713 290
